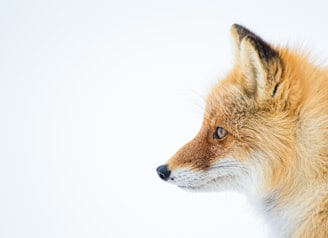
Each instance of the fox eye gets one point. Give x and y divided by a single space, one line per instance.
220 133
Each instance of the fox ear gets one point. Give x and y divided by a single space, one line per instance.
260 64
238 33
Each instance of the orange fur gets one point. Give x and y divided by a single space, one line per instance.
274 105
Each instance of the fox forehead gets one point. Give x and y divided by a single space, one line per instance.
227 104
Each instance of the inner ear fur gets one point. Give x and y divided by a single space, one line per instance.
260 64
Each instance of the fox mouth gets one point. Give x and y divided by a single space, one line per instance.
203 185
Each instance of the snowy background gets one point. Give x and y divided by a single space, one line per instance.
94 95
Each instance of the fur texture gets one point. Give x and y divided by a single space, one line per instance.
265 133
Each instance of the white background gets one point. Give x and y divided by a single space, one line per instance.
94 95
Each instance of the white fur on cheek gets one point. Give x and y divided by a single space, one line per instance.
227 173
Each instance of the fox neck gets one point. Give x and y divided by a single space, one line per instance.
282 204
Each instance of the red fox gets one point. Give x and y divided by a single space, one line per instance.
264 133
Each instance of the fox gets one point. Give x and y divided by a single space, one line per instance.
265 134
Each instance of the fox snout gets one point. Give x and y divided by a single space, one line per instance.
163 172
195 157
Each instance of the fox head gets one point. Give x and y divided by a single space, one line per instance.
246 137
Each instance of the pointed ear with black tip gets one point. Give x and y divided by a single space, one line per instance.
238 32
260 63
261 67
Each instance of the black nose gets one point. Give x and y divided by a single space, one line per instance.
163 172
